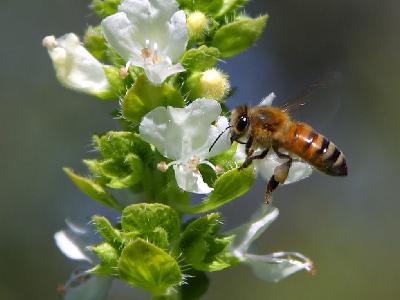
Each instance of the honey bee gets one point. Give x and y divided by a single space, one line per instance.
265 127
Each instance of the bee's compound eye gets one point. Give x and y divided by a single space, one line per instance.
242 123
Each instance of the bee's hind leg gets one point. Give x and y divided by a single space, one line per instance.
280 174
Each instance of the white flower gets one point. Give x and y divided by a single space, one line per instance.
271 267
74 242
298 171
185 136
151 34
75 67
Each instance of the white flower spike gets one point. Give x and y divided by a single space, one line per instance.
151 34
185 136
75 67
265 167
271 267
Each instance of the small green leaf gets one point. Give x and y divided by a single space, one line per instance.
239 35
146 266
108 256
107 231
118 85
229 186
226 159
197 285
93 190
202 248
104 8
143 97
230 6
206 6
120 144
200 59
153 222
95 42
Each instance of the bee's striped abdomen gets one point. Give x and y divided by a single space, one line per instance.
317 150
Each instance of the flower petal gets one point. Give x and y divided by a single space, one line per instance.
267 101
180 133
247 233
190 181
69 247
276 266
74 242
87 287
151 18
75 67
298 171
219 131
121 35
177 36
157 73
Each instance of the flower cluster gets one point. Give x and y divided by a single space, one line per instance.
157 59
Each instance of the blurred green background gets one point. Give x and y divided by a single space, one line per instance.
348 226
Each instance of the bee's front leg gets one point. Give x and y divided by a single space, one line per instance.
249 153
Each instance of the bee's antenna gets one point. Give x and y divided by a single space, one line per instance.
209 149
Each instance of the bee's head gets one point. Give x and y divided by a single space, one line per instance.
239 123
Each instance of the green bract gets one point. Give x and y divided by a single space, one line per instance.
227 187
202 248
235 37
143 97
105 8
144 265
93 190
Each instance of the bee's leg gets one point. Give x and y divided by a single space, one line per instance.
250 159
280 174
249 151
249 143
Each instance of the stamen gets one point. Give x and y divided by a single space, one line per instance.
146 53
193 163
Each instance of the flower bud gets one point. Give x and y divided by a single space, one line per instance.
211 83
75 67
197 24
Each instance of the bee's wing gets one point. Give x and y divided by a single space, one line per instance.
322 107
304 97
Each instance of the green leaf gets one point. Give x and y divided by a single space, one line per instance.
200 59
229 186
230 6
235 37
107 231
108 256
143 97
93 190
226 158
154 222
146 266
118 85
206 6
104 8
202 248
197 285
